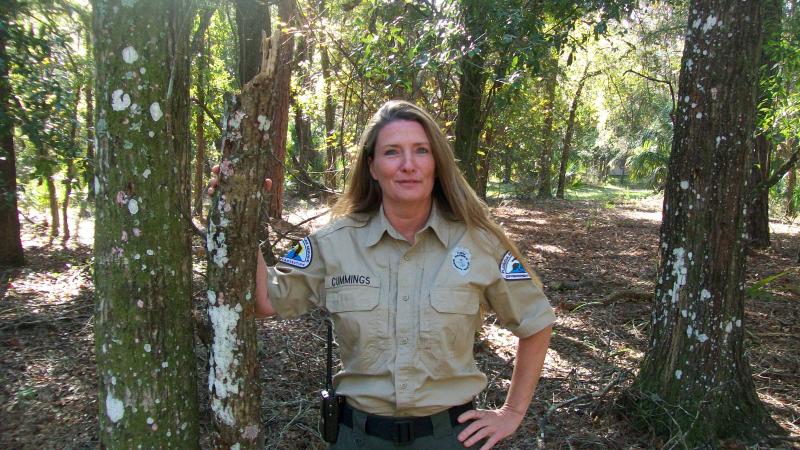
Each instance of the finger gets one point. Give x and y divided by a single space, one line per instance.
215 169
211 191
471 428
267 184
471 414
475 438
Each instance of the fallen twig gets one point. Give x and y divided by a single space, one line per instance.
616 379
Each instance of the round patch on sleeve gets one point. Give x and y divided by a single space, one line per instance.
512 269
300 255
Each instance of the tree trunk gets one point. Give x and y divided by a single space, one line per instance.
508 163
791 180
303 144
305 155
758 210
484 162
566 147
233 227
546 158
470 96
11 253
253 22
52 197
90 140
342 150
695 380
280 122
70 175
199 127
88 174
330 112
143 268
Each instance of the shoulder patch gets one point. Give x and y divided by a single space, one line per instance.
300 255
512 269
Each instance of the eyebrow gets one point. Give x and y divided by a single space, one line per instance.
414 143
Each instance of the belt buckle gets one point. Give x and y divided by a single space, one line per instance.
403 432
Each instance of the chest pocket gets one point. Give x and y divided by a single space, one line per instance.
447 330
360 322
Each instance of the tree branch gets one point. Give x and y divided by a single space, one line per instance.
203 106
776 176
657 80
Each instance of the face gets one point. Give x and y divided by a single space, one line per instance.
403 164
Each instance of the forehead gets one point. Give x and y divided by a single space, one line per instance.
399 132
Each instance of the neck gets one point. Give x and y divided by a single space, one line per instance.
408 220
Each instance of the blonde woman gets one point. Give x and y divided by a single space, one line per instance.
405 269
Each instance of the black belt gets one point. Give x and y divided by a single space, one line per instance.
401 430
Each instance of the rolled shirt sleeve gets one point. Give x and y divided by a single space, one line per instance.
519 303
296 283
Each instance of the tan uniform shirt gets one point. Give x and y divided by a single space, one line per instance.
405 316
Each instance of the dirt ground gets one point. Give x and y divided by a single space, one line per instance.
598 263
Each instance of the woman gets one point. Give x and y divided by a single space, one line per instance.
406 269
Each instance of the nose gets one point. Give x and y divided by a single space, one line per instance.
408 162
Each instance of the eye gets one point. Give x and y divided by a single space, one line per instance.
390 152
423 150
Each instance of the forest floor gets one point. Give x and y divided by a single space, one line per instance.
597 260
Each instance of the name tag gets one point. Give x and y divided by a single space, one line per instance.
349 280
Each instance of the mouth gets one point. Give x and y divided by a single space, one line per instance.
407 182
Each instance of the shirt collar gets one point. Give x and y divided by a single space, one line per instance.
379 225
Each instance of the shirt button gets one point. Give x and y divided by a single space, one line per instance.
405 258
403 341
405 298
403 386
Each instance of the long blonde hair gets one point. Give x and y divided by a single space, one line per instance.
451 191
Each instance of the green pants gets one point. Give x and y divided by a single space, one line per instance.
444 436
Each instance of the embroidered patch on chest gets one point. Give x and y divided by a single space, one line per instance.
300 255
461 260
512 269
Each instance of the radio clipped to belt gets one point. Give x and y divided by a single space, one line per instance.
330 403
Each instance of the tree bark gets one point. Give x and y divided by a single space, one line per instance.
70 172
233 227
253 22
70 175
88 168
546 158
791 180
695 380
280 123
143 268
470 96
199 127
484 162
764 148
330 111
11 253
52 198
304 146
566 147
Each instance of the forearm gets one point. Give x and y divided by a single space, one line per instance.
263 304
528 364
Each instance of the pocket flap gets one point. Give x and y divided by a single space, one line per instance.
455 300
358 299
